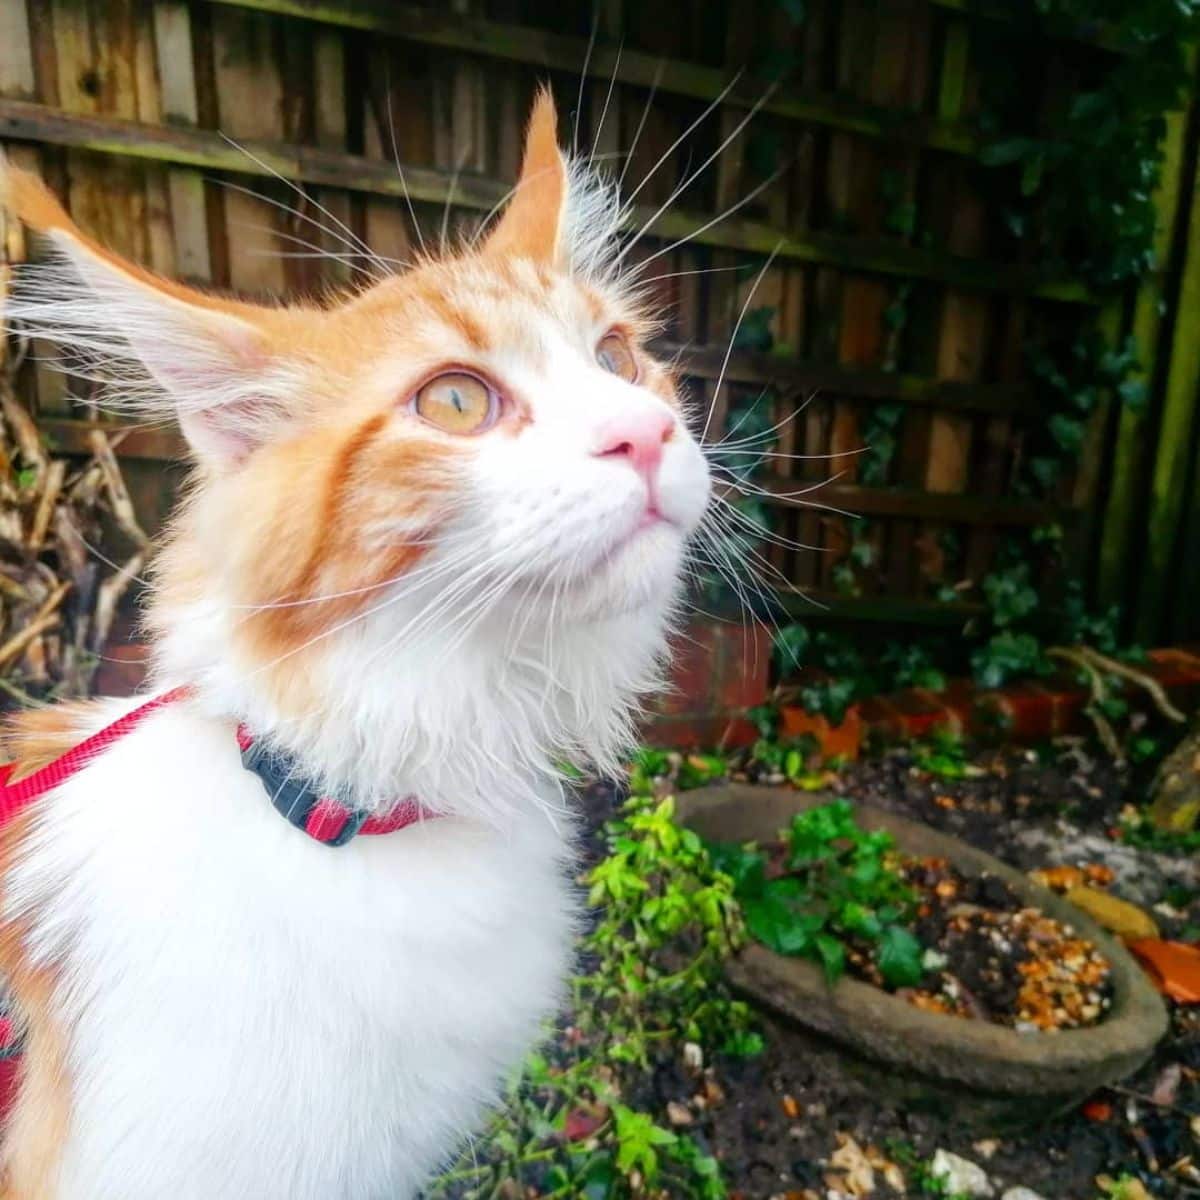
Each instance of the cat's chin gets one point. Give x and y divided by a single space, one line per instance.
640 573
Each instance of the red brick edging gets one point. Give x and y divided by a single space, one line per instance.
721 670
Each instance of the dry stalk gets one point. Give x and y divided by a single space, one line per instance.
58 601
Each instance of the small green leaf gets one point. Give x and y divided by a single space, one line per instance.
833 956
899 958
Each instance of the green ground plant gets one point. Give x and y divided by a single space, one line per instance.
664 920
837 882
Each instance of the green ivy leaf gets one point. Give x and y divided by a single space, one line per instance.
779 917
833 957
899 957
1067 432
999 154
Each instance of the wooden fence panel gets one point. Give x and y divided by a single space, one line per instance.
858 172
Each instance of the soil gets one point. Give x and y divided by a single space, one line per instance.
1000 961
780 1117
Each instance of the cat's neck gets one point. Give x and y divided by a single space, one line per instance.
475 726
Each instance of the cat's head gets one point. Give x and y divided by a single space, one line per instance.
473 463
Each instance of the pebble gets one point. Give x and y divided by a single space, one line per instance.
1021 1193
679 1114
1142 876
960 1175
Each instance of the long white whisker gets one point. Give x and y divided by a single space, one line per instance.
641 124
683 241
716 103
694 175
305 196
583 74
733 336
354 246
396 159
607 99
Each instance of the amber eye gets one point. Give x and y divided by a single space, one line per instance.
455 402
613 354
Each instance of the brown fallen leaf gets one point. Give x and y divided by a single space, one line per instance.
1174 967
857 1176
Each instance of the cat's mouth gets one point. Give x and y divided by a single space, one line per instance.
652 526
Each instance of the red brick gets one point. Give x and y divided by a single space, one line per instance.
1030 709
694 664
881 719
684 733
744 665
918 716
958 698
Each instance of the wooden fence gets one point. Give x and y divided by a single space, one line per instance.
861 172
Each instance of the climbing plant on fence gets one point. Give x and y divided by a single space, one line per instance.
1077 177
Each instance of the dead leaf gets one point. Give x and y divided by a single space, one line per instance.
857 1174
582 1122
1174 967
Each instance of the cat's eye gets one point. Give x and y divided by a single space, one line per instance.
456 402
614 355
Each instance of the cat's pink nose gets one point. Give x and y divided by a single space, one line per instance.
638 437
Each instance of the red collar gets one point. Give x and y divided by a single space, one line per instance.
324 820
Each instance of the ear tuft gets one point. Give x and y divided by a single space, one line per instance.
158 348
532 225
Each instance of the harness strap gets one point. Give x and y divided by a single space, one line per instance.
323 819
14 797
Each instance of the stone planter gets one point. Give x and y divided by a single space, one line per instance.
977 1073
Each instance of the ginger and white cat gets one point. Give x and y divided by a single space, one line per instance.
433 546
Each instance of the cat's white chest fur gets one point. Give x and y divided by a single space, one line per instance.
252 1014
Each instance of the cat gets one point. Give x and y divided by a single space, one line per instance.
433 546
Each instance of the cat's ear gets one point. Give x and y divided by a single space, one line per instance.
161 348
533 224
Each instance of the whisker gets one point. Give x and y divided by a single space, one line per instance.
304 195
583 74
759 438
396 158
694 175
716 103
714 451
696 271
607 99
294 212
733 336
462 161
683 241
641 124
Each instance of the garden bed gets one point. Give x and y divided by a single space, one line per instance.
798 1120
977 1071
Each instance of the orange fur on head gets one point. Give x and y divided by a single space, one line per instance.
532 224
313 496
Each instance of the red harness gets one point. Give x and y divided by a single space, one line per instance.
325 820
